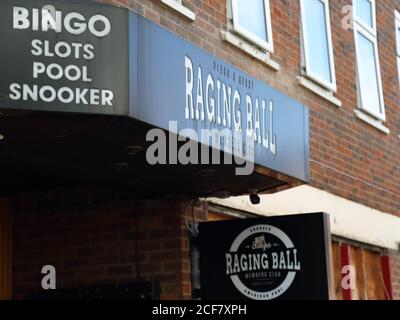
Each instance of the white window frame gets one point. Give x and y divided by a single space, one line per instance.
397 25
360 22
179 7
267 45
371 35
329 85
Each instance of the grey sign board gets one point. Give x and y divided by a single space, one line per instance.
174 80
63 56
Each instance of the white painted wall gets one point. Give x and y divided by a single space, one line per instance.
349 219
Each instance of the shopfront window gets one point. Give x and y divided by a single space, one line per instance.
317 42
252 20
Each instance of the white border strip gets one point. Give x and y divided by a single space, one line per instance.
349 219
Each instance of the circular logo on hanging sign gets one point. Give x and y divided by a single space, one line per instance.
262 262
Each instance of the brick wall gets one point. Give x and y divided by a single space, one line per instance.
395 268
348 157
95 237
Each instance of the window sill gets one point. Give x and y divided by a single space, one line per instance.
250 49
377 124
180 8
320 91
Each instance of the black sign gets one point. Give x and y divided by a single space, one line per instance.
265 259
58 56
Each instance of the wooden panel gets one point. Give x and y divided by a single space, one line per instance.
369 274
357 260
5 250
375 288
337 271
345 261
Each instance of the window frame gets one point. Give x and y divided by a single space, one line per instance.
179 7
371 35
266 45
305 47
372 30
397 17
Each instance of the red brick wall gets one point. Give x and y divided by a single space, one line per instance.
395 268
96 237
348 157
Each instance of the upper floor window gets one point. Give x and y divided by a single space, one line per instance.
179 7
369 80
252 20
317 42
398 41
365 15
